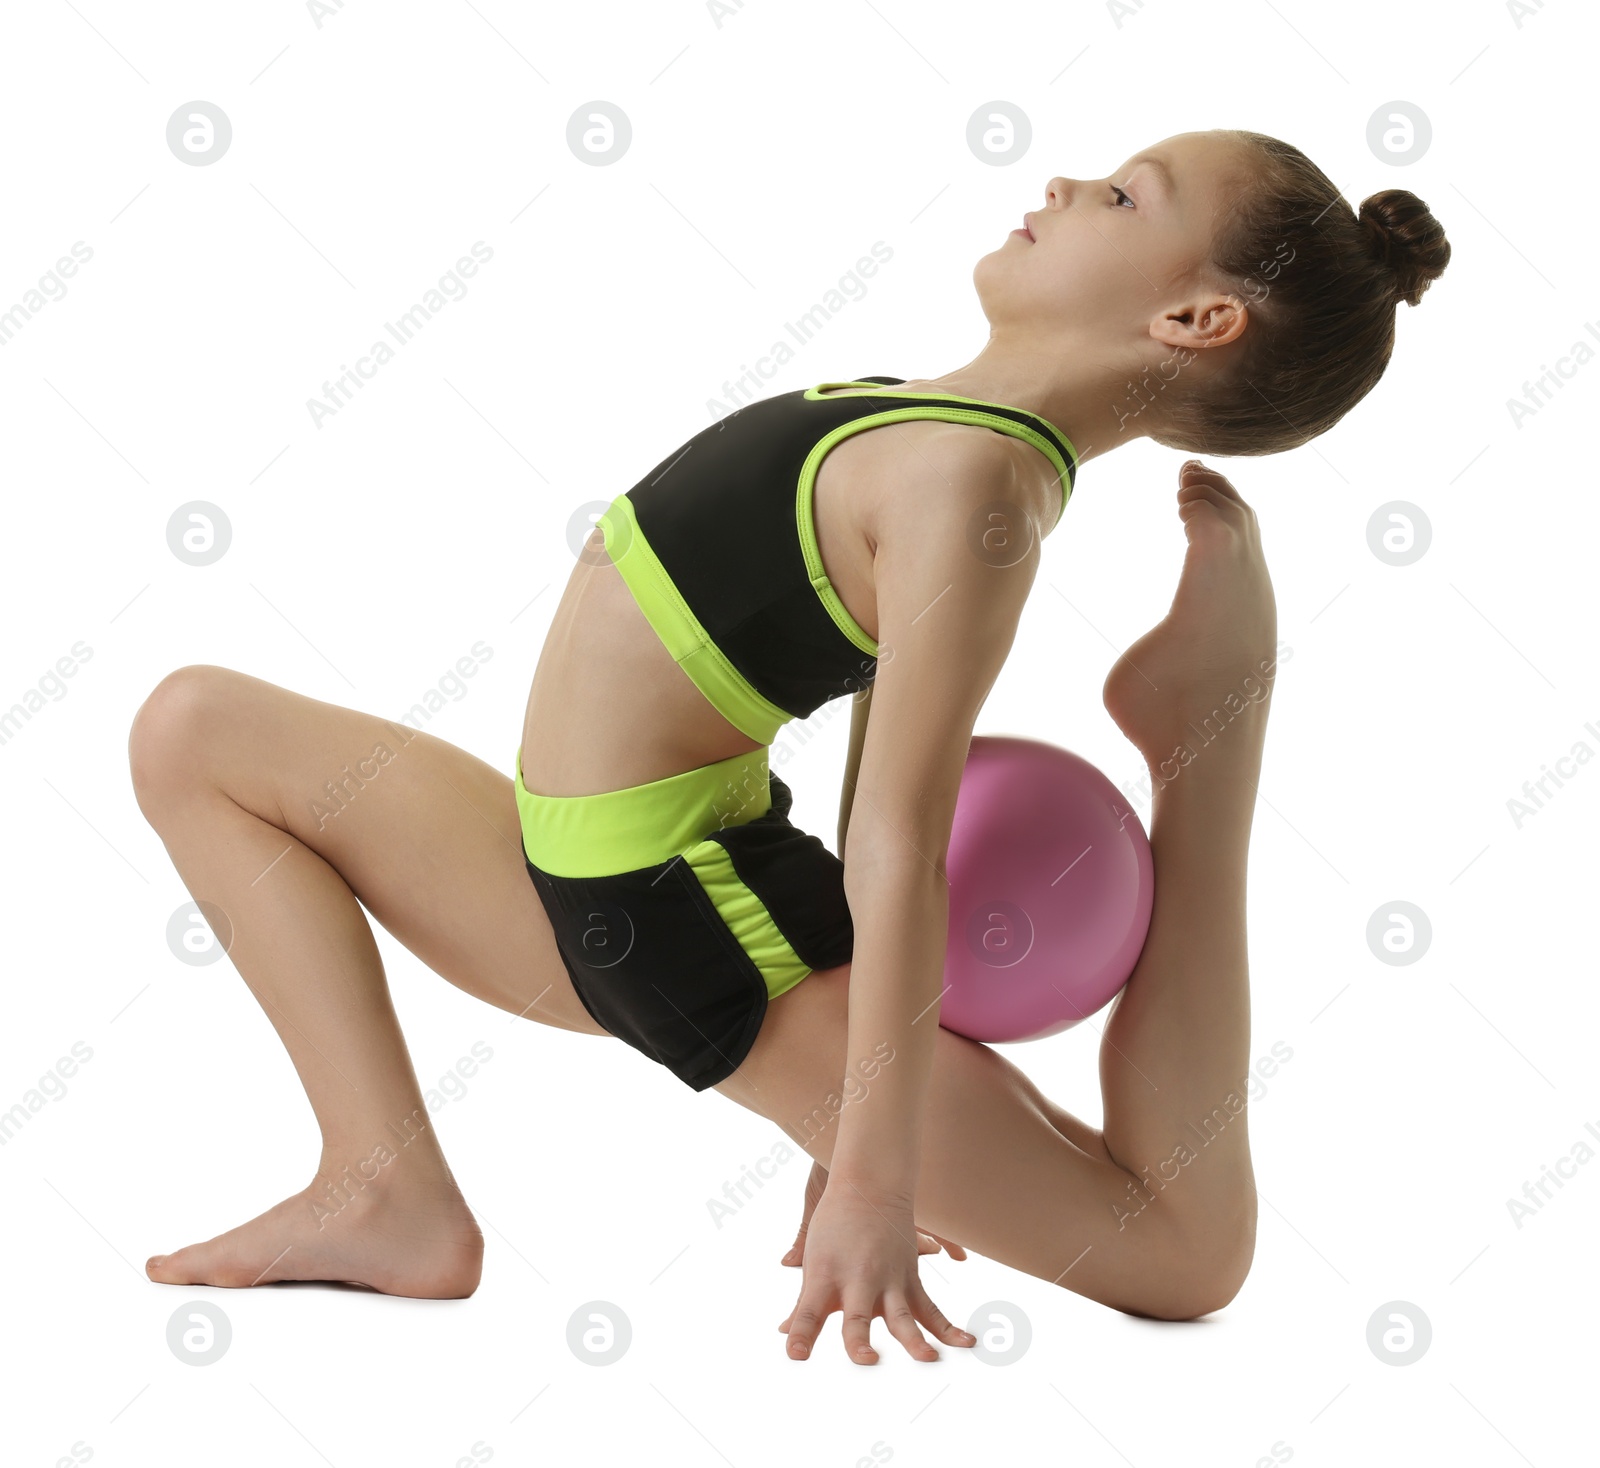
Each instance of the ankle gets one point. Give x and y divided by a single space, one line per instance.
1201 753
395 1166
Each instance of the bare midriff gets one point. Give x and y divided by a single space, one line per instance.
610 707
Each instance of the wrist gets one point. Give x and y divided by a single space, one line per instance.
878 1186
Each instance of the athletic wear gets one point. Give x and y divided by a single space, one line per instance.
681 907
718 546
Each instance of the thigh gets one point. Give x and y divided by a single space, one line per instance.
1003 1171
425 834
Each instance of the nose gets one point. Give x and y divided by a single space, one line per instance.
1058 192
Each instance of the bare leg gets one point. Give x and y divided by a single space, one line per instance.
1149 1216
233 772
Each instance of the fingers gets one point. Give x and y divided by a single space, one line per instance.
902 1323
857 1333
815 1183
934 1318
902 1313
804 1321
955 1251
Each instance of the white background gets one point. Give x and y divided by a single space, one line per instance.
369 554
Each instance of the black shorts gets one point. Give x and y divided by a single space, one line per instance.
682 906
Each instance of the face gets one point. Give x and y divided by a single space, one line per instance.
1123 257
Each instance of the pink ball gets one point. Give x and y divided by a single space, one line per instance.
1051 886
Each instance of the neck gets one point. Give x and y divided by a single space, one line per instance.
1095 405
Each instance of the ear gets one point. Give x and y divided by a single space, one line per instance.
1204 321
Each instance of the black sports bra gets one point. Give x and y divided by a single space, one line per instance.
718 546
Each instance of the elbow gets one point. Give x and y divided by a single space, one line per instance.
900 862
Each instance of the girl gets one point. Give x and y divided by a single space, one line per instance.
636 874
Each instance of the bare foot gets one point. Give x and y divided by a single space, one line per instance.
391 1234
1211 659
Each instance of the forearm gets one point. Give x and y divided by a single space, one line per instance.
901 912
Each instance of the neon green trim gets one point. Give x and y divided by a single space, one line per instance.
729 691
642 825
1004 425
747 918
808 480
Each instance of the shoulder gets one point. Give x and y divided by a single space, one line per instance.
941 475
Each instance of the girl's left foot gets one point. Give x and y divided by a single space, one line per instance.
1213 653
392 1234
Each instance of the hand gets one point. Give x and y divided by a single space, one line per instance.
861 1259
927 1243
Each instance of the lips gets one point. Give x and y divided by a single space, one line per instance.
1027 226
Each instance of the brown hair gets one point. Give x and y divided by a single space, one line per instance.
1321 283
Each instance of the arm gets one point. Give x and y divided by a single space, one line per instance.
947 617
860 712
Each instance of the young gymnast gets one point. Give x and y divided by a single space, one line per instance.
635 872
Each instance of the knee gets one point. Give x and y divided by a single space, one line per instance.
1213 1265
167 732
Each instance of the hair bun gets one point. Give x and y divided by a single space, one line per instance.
1406 238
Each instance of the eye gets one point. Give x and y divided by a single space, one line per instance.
1122 198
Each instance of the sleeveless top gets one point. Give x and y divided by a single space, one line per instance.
718 546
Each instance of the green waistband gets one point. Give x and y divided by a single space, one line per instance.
731 694
642 825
